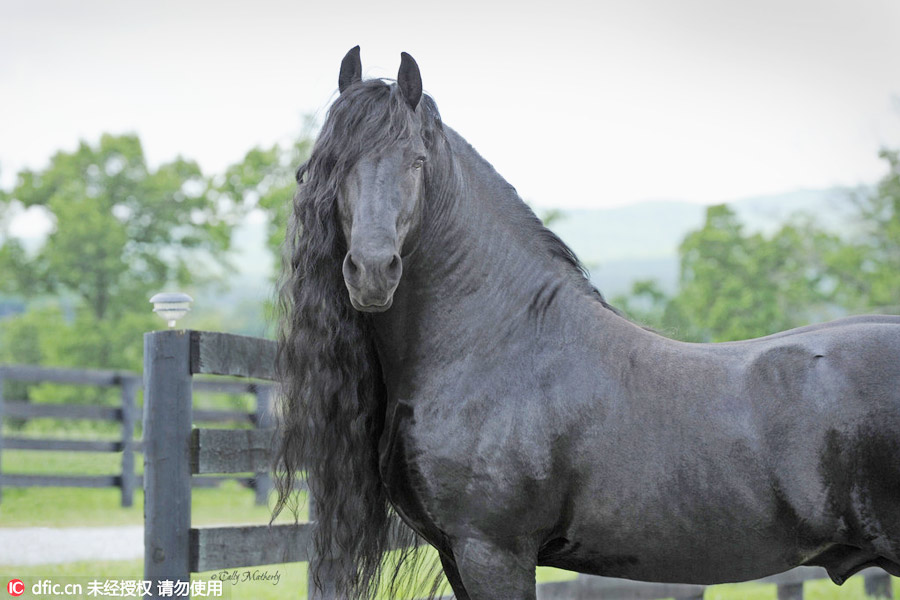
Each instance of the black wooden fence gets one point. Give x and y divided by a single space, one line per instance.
126 414
175 451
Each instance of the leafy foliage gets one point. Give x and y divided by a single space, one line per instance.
736 286
265 179
121 231
120 228
869 267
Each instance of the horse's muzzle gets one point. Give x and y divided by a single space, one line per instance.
372 279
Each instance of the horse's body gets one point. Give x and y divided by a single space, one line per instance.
526 423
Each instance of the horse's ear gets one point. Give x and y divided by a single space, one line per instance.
351 69
410 80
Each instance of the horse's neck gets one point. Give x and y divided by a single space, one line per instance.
480 276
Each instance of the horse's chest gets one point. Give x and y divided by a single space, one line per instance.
401 477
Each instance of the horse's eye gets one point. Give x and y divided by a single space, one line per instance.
417 164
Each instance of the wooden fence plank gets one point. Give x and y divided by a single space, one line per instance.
790 591
877 584
227 354
214 548
29 410
265 420
129 419
36 374
88 481
22 443
2 443
222 416
211 386
231 450
214 481
588 587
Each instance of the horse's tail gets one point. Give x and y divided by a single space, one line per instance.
332 406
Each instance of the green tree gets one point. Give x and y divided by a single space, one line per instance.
266 179
867 268
735 285
121 230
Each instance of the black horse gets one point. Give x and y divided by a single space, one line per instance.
445 358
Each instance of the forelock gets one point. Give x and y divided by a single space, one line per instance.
366 117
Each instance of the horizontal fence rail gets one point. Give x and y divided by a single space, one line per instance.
214 548
126 414
215 353
62 411
231 450
20 443
38 374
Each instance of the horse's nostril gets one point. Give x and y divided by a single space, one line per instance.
394 265
350 265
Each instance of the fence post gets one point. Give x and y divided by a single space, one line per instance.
1 434
790 591
167 474
264 420
878 585
129 391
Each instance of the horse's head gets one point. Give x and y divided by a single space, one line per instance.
380 196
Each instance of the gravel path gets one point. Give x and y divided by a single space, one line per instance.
44 545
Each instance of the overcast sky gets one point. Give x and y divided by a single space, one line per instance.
576 103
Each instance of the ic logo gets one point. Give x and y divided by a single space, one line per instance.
15 587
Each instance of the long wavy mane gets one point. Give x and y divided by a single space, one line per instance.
333 396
